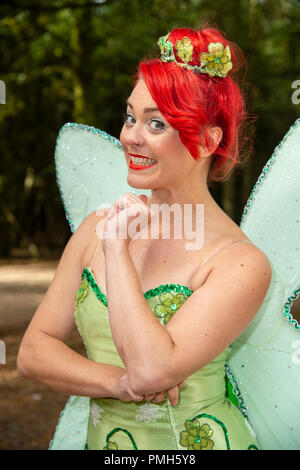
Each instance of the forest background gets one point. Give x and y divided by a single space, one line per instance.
71 61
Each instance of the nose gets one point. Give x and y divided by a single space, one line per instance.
133 136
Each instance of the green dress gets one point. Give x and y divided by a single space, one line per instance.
204 418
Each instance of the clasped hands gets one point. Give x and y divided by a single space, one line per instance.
125 393
122 218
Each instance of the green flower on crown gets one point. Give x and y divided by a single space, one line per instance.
185 50
111 446
166 49
169 304
217 61
196 437
82 292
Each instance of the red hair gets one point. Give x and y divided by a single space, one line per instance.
192 102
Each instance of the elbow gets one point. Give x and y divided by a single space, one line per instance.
146 382
22 371
22 363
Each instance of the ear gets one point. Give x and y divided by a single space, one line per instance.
215 135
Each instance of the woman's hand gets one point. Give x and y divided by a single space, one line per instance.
173 395
125 215
125 393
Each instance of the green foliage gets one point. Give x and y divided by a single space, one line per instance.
71 60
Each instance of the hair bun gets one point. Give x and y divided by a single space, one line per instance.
184 52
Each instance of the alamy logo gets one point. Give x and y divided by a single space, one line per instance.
296 94
2 352
182 223
2 92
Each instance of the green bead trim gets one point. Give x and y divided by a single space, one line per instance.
252 447
148 294
74 125
167 288
123 430
216 420
265 171
287 309
262 176
90 278
235 391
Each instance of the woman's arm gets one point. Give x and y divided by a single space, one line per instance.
48 360
43 355
158 357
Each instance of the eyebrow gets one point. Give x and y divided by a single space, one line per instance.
146 110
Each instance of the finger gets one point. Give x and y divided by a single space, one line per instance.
181 384
143 198
173 395
161 396
149 396
136 396
140 200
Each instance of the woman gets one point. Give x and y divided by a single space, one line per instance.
155 367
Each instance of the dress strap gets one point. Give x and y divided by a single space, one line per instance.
95 252
211 256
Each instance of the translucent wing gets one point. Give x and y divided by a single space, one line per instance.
71 430
91 171
265 359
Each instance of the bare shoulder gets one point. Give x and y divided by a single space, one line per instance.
247 263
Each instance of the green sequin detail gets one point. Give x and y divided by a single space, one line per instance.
110 445
252 447
233 392
82 292
196 437
215 62
184 50
169 304
163 288
90 279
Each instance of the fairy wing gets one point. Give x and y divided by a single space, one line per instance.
91 173
264 363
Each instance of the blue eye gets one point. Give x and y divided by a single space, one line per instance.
126 118
159 125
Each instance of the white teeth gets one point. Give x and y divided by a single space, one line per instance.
142 161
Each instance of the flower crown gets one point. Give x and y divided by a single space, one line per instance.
217 61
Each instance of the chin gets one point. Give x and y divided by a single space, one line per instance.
137 185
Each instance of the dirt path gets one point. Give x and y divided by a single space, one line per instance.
28 411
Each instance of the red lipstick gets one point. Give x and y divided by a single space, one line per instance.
134 166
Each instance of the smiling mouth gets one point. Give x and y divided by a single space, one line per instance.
137 162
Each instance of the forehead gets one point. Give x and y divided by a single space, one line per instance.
140 95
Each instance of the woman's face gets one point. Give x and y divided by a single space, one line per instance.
146 133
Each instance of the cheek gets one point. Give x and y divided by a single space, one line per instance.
171 145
